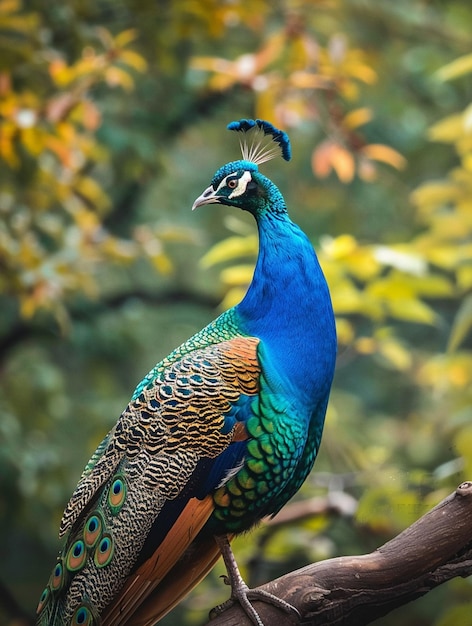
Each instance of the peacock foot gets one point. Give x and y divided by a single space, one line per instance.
241 593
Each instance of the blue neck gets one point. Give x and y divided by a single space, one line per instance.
288 306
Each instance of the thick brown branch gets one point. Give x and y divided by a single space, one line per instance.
359 589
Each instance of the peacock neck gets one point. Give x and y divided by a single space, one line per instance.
288 306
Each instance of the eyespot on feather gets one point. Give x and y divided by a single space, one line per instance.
76 556
92 530
117 494
57 577
43 600
82 616
104 551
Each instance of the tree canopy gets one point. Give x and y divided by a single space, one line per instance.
112 121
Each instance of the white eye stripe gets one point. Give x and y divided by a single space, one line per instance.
241 186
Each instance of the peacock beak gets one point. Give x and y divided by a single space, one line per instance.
209 196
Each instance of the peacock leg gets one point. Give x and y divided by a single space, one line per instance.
241 593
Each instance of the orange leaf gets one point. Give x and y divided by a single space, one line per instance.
343 163
91 115
59 107
321 159
386 154
330 155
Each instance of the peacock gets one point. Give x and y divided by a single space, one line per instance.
220 434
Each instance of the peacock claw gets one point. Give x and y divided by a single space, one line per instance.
241 593
243 596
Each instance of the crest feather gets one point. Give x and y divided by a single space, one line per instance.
261 141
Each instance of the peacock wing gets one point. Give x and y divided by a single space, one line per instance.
142 498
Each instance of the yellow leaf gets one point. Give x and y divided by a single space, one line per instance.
448 130
458 67
10 6
237 275
210 64
86 220
464 277
233 296
23 23
391 287
444 256
432 285
308 80
347 299
274 45
451 371
125 37
396 354
116 77
385 154
28 306
230 248
344 331
7 149
134 60
91 191
462 325
340 247
266 103
33 140
411 310
162 263
363 72
357 118
449 226
431 195
118 249
363 264
366 345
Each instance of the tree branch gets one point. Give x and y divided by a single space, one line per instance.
357 590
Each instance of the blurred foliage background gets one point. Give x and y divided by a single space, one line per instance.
112 121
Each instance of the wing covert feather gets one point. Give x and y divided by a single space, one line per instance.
182 423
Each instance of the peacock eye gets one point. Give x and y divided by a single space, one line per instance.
232 183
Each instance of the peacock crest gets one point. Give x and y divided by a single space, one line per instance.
261 141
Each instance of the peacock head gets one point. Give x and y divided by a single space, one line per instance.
239 183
